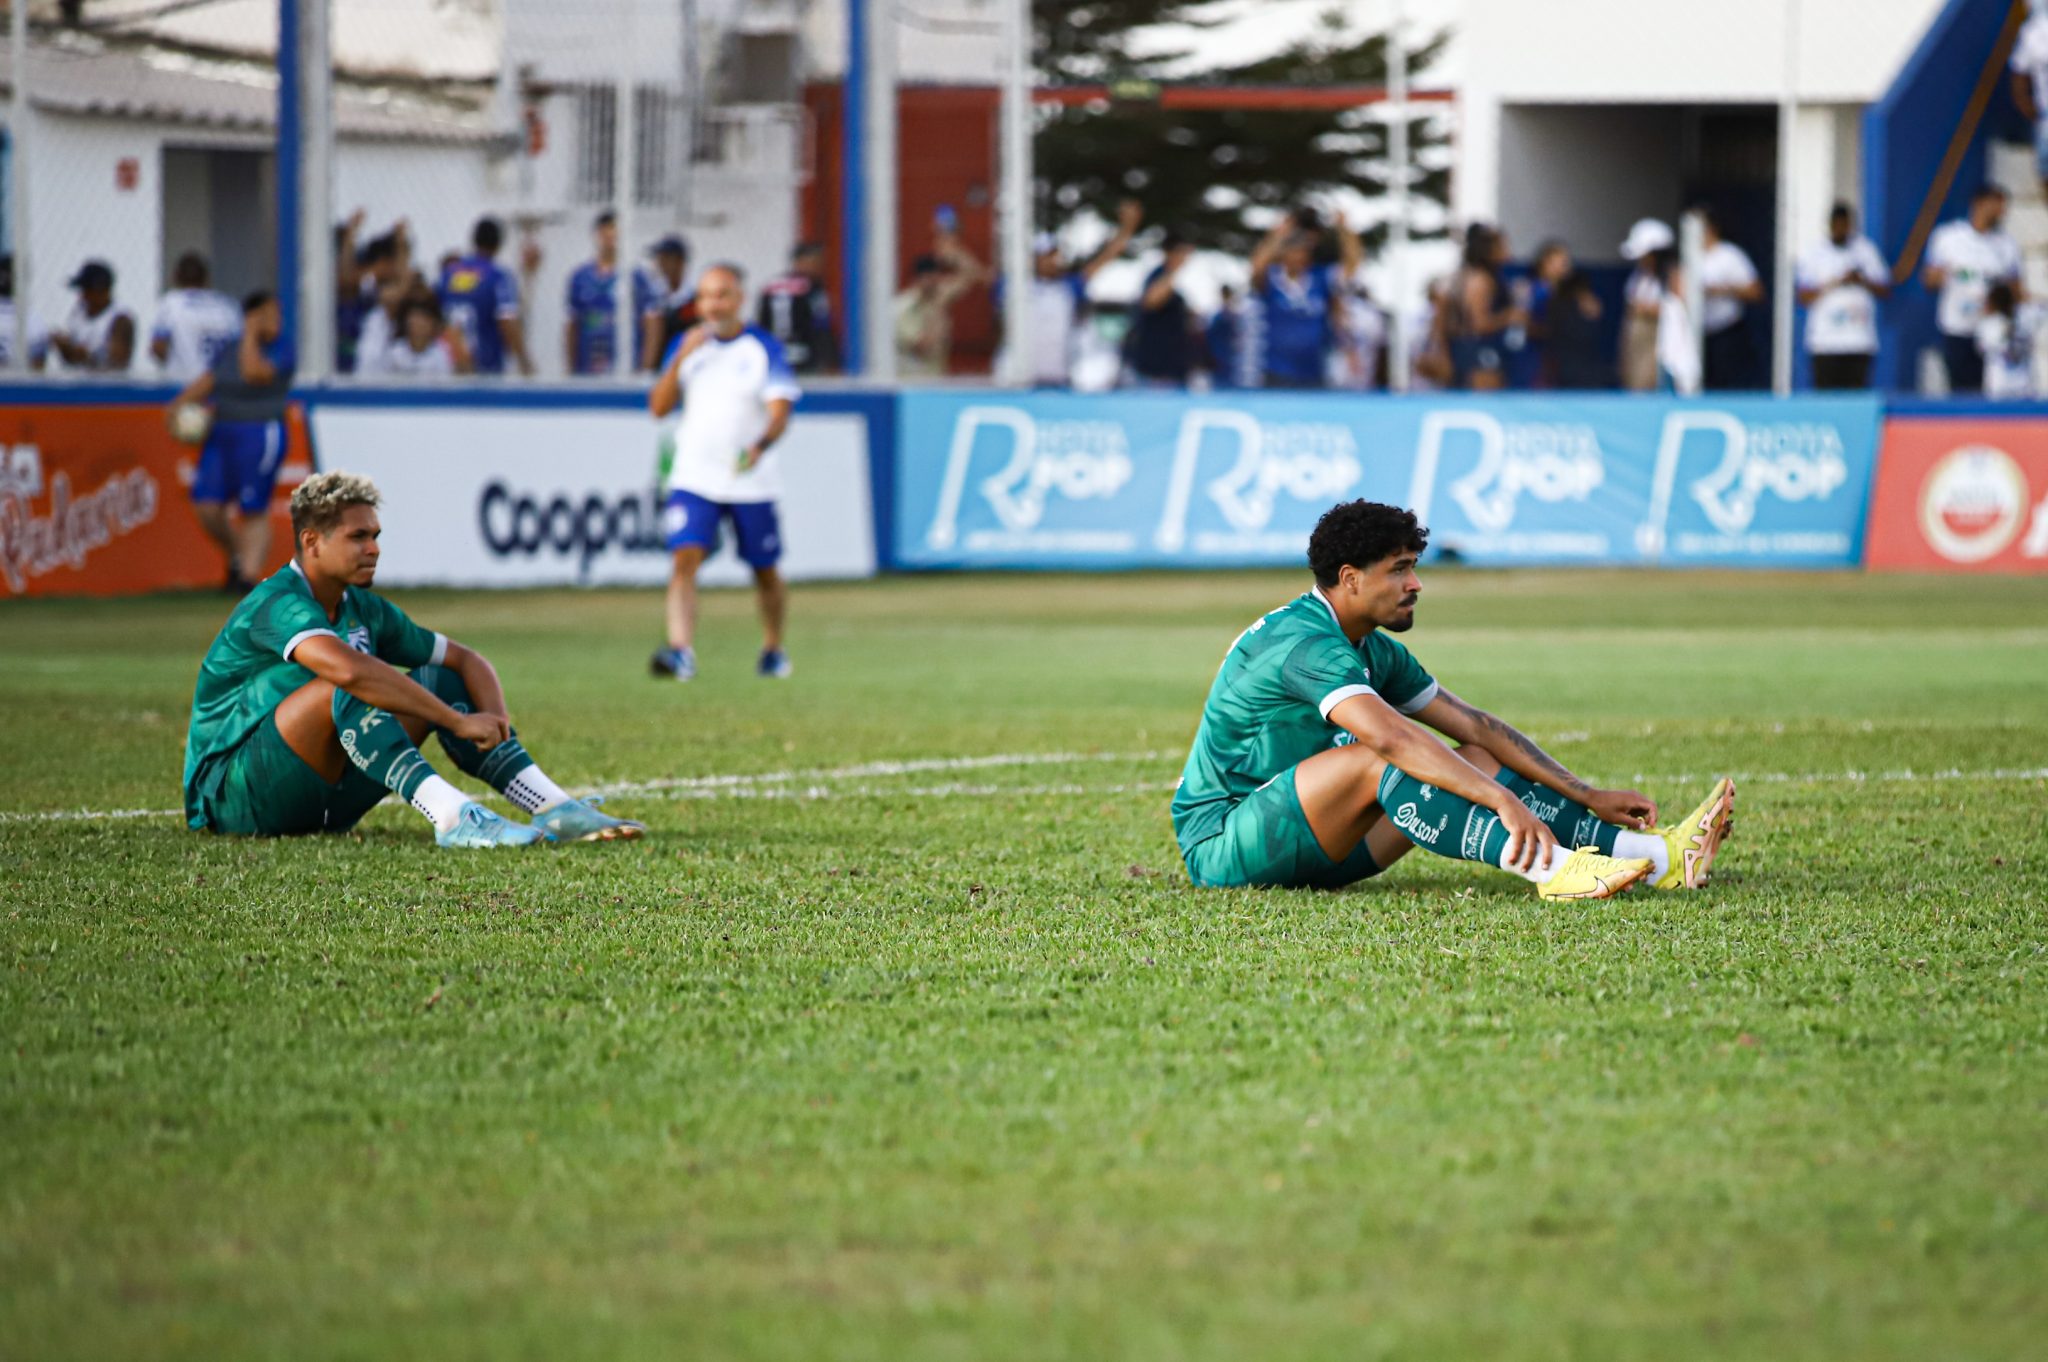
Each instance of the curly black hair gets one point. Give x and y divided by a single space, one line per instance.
1360 533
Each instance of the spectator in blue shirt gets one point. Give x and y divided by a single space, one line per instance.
482 302
1293 299
1221 340
590 336
1162 339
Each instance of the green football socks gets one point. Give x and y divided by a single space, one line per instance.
1573 824
378 746
507 768
1439 821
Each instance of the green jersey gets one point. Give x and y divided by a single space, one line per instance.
249 668
1269 708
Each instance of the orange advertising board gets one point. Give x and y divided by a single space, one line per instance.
1961 495
95 501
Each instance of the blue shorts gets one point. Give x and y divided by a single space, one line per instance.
239 463
2041 147
690 521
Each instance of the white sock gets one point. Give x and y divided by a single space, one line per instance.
1644 846
1541 872
439 801
534 793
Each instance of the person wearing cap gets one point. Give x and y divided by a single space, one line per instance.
672 302
97 336
194 324
481 300
589 336
795 309
924 311
1964 259
1058 297
1644 299
1841 280
1163 336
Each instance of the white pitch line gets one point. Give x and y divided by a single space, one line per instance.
821 784
865 770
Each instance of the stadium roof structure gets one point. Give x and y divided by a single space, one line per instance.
155 85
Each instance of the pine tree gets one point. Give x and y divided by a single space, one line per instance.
1199 171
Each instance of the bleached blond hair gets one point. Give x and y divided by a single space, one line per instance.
319 501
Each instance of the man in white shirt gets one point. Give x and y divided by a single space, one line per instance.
99 335
736 389
1729 282
1841 282
1058 296
2030 80
195 325
1964 259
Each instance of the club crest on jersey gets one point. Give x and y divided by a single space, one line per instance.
359 638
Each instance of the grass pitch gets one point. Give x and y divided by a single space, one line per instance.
903 1036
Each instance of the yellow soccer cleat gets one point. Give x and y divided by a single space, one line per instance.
1696 841
1586 874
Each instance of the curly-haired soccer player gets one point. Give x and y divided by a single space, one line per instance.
1312 768
315 696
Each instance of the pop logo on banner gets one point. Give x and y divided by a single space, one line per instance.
1962 495
1056 480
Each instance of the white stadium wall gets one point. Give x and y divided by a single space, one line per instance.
1595 54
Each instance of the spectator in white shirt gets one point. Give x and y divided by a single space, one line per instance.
1644 296
1841 282
425 346
1729 283
99 335
2005 339
1678 360
1058 295
2030 81
8 358
1964 259
195 325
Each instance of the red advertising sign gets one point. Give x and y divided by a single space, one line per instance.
94 502
1961 495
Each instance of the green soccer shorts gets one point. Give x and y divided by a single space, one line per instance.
1266 841
269 791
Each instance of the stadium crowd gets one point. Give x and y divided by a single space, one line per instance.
1298 314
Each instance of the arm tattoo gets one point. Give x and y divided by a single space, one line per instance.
1514 737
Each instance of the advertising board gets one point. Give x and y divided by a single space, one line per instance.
561 496
1047 480
1961 494
94 502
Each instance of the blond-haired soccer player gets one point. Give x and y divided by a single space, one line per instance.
315 696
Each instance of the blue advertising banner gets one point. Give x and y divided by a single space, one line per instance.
1057 480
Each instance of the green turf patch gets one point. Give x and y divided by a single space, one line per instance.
903 1036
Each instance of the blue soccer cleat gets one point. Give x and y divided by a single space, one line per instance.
580 820
774 664
476 827
680 663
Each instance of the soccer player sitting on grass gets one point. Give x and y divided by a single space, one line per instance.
1311 767
315 696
